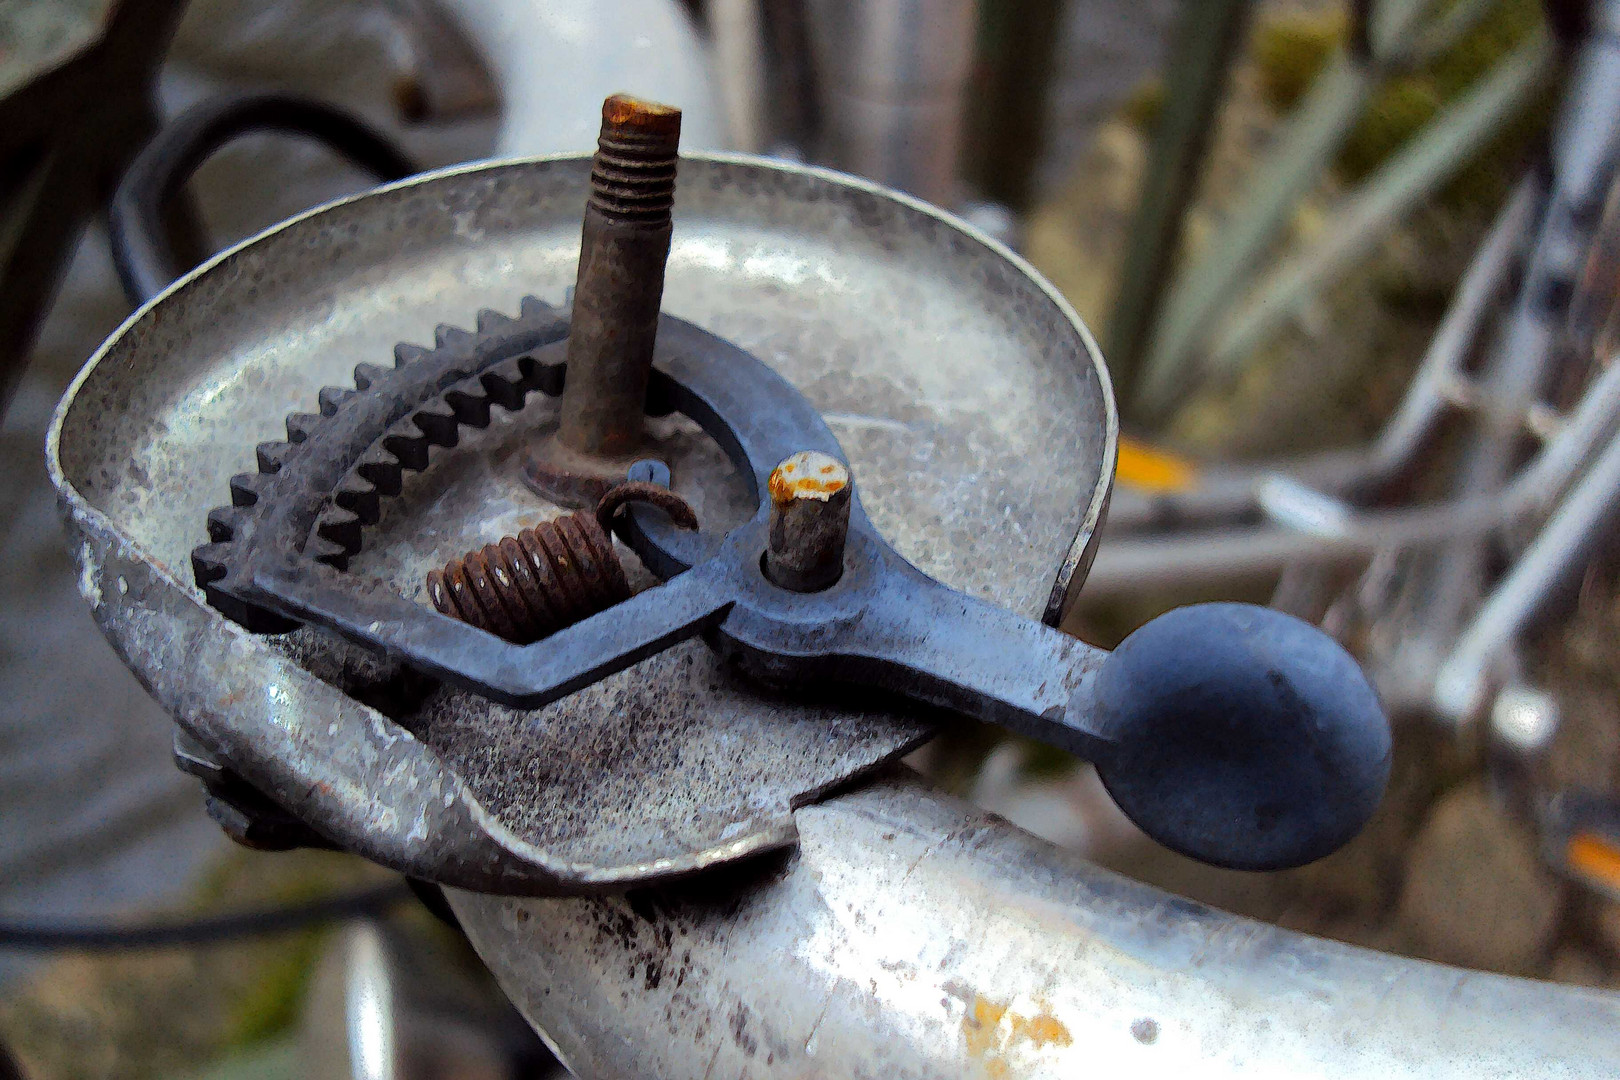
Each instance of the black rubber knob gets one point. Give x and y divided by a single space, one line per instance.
1245 738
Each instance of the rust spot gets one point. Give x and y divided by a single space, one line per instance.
997 1036
626 110
808 474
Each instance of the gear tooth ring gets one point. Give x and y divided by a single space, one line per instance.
314 492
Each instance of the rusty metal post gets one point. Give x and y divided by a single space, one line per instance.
620 286
810 494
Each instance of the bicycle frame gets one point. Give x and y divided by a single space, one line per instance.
1453 646
911 935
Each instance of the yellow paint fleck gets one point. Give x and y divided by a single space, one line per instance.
1046 1030
994 1034
1593 856
1148 468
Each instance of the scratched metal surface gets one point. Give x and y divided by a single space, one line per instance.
971 403
913 936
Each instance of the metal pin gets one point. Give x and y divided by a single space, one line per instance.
810 494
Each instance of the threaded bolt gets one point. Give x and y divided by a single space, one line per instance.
633 172
620 286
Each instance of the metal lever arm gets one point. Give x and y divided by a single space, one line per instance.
528 676
1233 734
887 624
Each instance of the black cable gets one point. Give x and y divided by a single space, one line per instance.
142 255
207 930
9 1069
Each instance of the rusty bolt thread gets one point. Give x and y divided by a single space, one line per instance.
619 289
633 172
810 498
530 585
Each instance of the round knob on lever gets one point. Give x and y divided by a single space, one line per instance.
1243 737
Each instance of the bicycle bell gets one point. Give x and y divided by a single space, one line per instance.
655 536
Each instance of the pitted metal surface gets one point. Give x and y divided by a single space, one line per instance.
969 399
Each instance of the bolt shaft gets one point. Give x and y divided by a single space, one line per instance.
810 495
620 286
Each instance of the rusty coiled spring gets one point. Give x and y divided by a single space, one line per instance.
527 586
